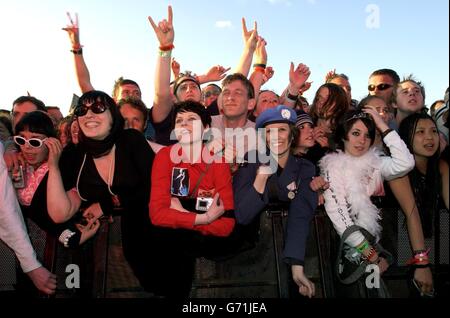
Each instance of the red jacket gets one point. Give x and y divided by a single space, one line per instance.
217 179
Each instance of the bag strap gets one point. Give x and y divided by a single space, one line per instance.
353 277
199 180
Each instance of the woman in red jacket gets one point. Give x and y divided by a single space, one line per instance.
191 197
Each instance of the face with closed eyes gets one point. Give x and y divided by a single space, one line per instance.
188 127
188 90
266 100
358 140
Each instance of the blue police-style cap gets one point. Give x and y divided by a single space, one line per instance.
279 114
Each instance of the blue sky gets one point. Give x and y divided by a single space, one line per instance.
353 36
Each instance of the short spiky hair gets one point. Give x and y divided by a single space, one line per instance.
409 78
194 107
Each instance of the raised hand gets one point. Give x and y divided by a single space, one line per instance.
175 68
268 73
73 30
330 75
298 76
164 30
379 122
260 54
305 87
216 73
250 37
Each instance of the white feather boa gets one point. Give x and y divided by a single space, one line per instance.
361 178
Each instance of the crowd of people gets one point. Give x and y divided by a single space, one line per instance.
189 176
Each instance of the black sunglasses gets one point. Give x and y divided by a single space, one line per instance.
96 108
211 93
380 87
33 142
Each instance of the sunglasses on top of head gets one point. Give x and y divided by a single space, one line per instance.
380 87
96 108
33 142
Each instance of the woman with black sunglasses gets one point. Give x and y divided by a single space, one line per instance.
110 168
36 138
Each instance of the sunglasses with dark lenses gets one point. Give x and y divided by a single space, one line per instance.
380 87
211 93
96 108
33 142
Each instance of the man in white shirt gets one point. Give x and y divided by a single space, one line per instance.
14 234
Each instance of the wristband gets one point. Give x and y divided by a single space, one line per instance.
77 51
169 47
165 53
386 132
363 246
259 65
292 97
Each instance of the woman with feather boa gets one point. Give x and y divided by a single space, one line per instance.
355 173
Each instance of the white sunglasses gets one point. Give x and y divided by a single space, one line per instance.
33 142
